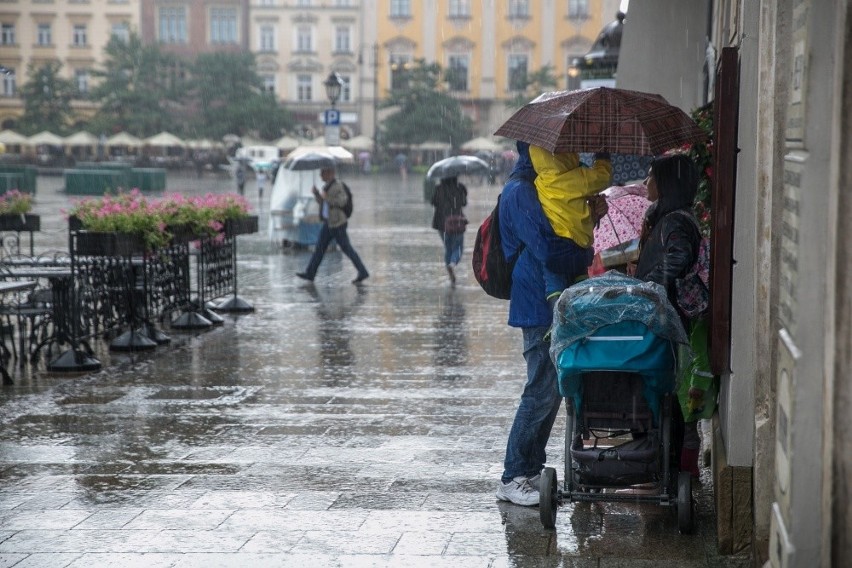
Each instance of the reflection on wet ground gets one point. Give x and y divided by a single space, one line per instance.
334 426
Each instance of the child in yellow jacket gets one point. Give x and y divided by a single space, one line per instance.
564 187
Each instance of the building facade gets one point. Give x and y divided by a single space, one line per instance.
487 45
33 32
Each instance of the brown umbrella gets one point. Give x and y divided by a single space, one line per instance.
602 120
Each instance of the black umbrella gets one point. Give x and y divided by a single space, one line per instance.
310 161
456 166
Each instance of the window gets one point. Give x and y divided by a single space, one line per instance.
44 37
79 35
82 78
341 39
457 72
7 34
268 83
173 25
399 66
267 38
459 9
121 31
267 2
578 9
517 72
9 85
519 8
342 3
303 39
223 25
400 9
303 3
304 88
345 88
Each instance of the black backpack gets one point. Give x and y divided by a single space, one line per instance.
490 267
347 209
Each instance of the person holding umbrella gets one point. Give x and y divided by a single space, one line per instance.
332 199
448 219
528 236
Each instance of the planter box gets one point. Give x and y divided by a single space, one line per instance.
89 243
182 234
25 222
244 226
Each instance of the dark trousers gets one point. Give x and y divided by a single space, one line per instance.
325 237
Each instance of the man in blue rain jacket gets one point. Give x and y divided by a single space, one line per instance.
526 231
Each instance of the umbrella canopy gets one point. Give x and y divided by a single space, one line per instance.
626 168
45 137
339 153
12 138
602 120
456 166
124 139
81 138
358 143
623 222
310 161
481 144
165 139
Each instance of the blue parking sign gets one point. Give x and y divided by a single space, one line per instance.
332 117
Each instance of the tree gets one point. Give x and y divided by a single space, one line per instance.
532 85
47 100
141 90
231 99
425 112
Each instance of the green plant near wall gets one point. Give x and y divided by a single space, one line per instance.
702 154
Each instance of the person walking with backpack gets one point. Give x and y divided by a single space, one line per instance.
448 200
334 201
528 240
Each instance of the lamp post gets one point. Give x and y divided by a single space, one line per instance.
333 86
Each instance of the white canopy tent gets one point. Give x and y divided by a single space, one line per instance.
81 138
45 137
358 143
165 140
124 139
481 144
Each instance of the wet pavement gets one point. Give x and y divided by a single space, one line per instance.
334 426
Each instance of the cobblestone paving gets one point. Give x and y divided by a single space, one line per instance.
334 426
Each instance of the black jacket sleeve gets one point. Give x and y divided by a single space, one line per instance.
679 248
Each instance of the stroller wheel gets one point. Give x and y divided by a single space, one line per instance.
548 498
684 503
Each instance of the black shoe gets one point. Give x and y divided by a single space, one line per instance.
304 276
361 278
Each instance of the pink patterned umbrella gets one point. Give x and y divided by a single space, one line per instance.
627 206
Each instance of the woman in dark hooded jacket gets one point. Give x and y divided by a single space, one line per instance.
668 248
670 237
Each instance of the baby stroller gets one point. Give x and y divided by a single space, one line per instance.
614 343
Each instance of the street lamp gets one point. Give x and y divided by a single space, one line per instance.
333 87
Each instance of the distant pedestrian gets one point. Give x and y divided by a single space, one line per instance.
449 199
401 161
332 199
261 181
240 176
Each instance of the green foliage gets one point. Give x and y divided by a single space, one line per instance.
231 98
425 112
141 89
702 154
15 202
533 85
47 100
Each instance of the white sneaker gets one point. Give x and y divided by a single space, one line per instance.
535 481
518 491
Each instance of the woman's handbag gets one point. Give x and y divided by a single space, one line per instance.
455 224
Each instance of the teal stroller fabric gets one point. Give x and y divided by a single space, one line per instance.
616 323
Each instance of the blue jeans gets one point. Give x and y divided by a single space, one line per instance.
338 234
525 450
453 245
